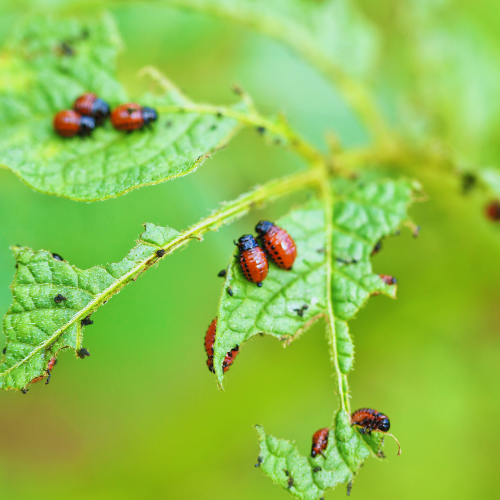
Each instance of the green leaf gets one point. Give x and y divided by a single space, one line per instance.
45 66
272 308
307 478
460 110
364 213
335 28
37 327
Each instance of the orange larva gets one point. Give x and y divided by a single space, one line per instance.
278 244
253 260
370 420
90 105
50 365
69 123
320 442
209 348
132 116
493 211
389 280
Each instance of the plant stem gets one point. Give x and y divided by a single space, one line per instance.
280 129
240 206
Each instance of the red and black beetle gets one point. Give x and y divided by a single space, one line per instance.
278 244
132 116
253 260
90 105
320 442
50 365
370 420
209 348
69 123
387 279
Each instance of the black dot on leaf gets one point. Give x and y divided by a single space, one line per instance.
87 321
59 298
65 49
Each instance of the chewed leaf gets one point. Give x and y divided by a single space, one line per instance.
306 477
53 301
290 301
44 68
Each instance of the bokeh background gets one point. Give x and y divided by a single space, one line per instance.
142 417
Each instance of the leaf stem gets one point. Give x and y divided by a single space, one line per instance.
342 386
280 128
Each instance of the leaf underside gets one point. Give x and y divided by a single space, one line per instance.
364 213
46 65
37 327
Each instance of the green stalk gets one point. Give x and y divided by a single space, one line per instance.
280 129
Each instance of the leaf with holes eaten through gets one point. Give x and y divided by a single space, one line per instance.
53 301
306 477
46 65
290 301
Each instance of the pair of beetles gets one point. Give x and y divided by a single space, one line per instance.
278 244
89 111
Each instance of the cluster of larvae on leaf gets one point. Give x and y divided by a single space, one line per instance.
89 111
367 419
279 246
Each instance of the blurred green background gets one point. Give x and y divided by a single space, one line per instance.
142 417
